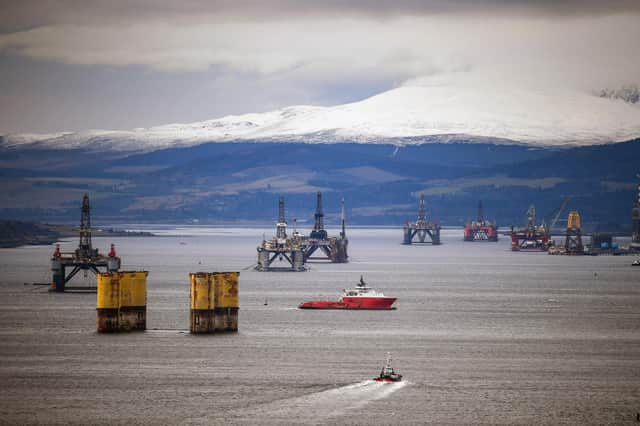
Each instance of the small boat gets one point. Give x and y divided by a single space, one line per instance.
387 375
636 263
360 297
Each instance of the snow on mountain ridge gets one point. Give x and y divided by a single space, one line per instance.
405 115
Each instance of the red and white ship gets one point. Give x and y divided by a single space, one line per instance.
360 297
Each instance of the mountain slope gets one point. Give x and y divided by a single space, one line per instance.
408 115
240 182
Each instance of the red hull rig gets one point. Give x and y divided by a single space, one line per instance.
480 229
532 237
362 297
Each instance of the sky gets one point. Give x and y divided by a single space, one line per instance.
69 65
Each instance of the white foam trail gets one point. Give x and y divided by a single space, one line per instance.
332 402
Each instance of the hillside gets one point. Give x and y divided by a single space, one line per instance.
240 182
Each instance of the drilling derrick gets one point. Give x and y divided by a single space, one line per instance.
281 253
319 232
281 226
84 250
343 232
84 258
480 229
573 241
342 242
531 237
333 249
422 227
635 222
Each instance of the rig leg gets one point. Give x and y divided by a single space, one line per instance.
341 255
435 237
297 260
407 236
263 260
58 277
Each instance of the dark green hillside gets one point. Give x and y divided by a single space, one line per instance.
240 182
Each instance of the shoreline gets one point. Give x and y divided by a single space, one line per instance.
15 233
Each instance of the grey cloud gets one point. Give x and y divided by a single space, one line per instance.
205 59
27 14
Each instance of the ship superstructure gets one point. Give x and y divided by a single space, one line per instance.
388 375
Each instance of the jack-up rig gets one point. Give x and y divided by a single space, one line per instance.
573 241
84 258
286 250
573 238
422 227
334 249
481 229
531 237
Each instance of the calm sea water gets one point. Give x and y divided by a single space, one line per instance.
481 335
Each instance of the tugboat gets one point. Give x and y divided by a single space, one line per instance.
360 297
387 375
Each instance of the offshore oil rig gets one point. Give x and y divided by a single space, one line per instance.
481 229
286 252
573 238
422 228
333 249
601 243
84 258
635 223
531 237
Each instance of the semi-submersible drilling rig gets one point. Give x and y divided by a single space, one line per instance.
635 222
84 258
422 228
532 236
333 249
481 229
290 253
287 251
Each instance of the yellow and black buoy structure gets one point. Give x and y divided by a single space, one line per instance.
226 306
213 302
122 301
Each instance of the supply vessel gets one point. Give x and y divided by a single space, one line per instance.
387 375
360 297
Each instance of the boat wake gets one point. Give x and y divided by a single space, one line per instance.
325 404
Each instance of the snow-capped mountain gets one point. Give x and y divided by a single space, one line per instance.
405 115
